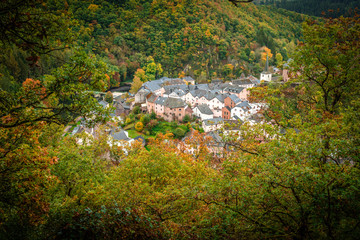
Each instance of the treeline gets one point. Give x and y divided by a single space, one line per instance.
323 8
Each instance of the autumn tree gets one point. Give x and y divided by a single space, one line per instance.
109 97
297 178
135 85
139 126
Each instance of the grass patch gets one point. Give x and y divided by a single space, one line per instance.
130 126
133 133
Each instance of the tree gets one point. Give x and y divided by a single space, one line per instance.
145 119
109 97
139 126
279 60
186 118
305 175
266 53
179 133
136 85
27 113
153 70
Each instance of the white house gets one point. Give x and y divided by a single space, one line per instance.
203 112
213 124
241 111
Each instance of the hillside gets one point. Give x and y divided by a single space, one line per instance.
199 37
327 8
196 36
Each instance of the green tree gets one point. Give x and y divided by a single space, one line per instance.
179 133
109 97
186 118
145 119
279 60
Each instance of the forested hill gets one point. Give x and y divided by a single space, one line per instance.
327 8
198 36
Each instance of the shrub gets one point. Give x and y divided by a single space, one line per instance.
152 124
173 124
109 97
136 110
187 118
128 121
179 133
139 126
145 119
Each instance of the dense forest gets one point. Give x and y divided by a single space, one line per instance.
199 37
294 175
322 8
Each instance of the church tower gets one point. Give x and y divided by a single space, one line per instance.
266 74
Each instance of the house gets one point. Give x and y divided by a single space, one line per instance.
245 83
240 92
174 109
215 144
212 124
226 112
203 112
150 102
241 111
121 107
140 96
216 104
104 104
231 101
160 106
153 86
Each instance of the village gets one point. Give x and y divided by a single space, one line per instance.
178 106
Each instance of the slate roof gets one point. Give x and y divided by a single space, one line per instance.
228 108
198 93
141 139
216 81
175 87
266 70
152 85
173 81
235 98
234 89
103 103
222 97
216 139
244 105
241 82
174 103
151 98
188 78
204 86
179 92
204 109
120 135
213 121
160 101
209 95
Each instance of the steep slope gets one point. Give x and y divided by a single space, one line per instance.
327 8
200 36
